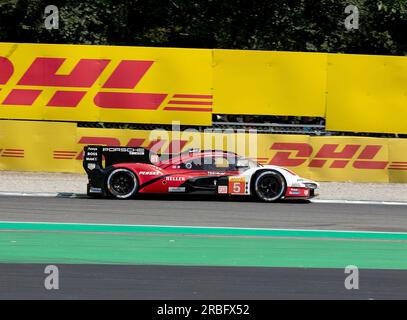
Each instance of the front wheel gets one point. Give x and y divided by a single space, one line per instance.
122 183
269 186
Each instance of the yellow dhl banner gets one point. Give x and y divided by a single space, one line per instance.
366 93
105 83
159 85
57 147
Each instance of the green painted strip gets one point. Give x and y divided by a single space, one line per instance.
246 232
120 248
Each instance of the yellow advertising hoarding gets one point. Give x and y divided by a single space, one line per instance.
57 147
397 168
30 145
367 93
105 83
357 93
269 83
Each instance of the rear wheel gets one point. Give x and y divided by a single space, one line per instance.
122 183
269 186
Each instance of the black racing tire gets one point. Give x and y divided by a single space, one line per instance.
269 186
122 183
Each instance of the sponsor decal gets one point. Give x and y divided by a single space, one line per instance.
175 178
91 166
294 191
132 151
222 189
299 192
216 173
95 190
237 185
237 179
149 173
176 189
136 153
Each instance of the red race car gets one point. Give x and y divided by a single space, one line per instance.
128 171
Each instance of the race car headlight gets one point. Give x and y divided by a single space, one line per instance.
311 185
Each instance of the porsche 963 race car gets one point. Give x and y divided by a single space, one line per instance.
124 172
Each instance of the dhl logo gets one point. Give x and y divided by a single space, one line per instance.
115 93
287 154
297 154
12 153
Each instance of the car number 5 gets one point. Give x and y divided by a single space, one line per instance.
237 187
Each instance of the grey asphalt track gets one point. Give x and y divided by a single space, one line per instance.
206 212
26 281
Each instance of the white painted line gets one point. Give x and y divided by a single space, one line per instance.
199 227
29 194
43 194
392 203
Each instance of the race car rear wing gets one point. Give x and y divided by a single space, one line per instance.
94 155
